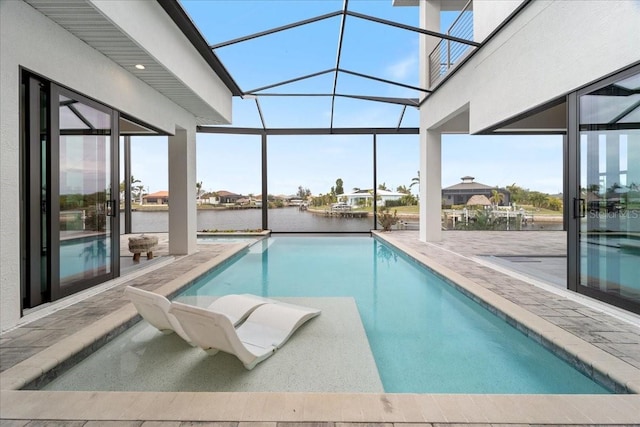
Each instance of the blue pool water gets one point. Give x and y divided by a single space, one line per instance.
83 256
426 337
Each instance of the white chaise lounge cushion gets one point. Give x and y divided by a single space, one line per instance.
154 308
266 329
274 324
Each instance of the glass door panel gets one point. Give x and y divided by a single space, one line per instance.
609 233
85 198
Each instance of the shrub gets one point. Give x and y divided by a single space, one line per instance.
386 219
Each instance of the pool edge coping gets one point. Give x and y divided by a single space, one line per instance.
594 362
320 407
69 350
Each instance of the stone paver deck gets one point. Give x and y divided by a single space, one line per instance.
608 346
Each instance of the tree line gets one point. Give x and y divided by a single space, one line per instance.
524 196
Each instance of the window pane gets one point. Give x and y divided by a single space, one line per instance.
229 173
321 173
610 179
398 177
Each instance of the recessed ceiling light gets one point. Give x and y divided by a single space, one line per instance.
140 66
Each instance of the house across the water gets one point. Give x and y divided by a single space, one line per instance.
365 197
459 194
157 198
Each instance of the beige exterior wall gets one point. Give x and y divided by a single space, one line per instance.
171 48
30 40
489 14
550 49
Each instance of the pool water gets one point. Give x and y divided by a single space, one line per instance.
426 337
82 255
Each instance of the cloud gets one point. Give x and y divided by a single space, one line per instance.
403 68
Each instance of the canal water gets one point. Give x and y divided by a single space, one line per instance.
280 220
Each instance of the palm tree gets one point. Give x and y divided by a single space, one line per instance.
518 194
140 192
132 181
403 189
415 181
538 199
496 197
198 190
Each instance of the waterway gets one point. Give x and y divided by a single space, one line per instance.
280 220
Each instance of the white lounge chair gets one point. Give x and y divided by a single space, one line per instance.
154 308
266 329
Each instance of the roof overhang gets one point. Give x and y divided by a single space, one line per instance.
547 119
105 28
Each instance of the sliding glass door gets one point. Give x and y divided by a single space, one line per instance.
70 170
608 205
86 202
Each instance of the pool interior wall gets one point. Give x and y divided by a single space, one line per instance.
418 346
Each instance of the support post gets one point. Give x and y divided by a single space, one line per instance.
430 186
374 205
182 192
265 186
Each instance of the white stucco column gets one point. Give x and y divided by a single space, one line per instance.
430 186
430 159
182 192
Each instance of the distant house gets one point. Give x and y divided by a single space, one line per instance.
157 198
459 194
365 197
359 198
225 197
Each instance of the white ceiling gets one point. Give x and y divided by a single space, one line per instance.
81 19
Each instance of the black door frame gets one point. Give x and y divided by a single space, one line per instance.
577 206
34 244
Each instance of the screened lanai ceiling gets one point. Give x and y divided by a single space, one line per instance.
290 64
316 64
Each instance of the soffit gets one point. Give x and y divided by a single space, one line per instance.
82 20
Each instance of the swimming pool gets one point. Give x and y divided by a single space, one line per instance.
426 337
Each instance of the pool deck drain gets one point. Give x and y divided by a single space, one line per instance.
35 348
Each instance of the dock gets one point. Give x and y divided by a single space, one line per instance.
346 214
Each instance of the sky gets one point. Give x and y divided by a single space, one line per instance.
232 163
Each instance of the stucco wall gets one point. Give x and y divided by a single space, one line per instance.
31 40
488 14
170 47
551 48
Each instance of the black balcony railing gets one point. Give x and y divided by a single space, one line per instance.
448 53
